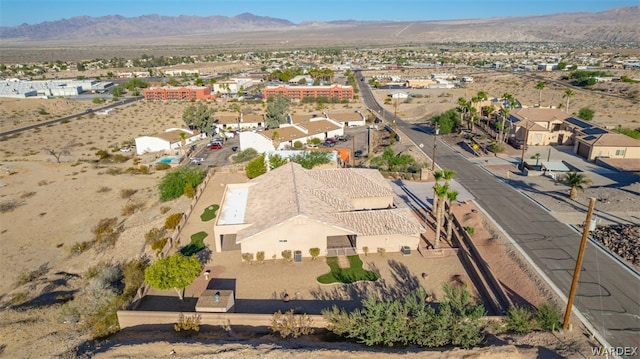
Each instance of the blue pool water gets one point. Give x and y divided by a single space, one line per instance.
167 159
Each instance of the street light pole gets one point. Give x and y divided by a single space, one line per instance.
435 144
576 271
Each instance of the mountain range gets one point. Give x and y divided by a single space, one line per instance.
615 25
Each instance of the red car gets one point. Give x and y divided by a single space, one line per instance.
216 146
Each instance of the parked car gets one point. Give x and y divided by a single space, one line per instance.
515 143
125 149
327 144
344 138
357 154
215 146
234 148
312 145
332 140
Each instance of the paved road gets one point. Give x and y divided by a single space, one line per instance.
608 294
124 101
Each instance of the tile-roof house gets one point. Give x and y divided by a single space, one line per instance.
291 208
171 139
541 126
608 144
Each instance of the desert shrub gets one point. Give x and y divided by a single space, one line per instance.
455 321
172 221
548 317
164 209
158 245
133 276
497 147
519 320
288 324
297 145
245 155
314 252
30 276
286 254
189 192
131 208
106 232
18 298
382 251
80 247
104 189
154 234
140 170
173 183
311 159
10 205
365 250
469 230
127 193
28 194
162 166
247 257
188 325
114 171
260 256
43 183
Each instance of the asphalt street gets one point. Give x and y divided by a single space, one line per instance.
608 293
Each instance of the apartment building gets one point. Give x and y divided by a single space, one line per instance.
186 93
296 93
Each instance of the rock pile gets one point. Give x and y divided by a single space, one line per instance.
621 239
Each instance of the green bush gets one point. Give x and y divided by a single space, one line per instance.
247 257
411 321
189 192
314 252
256 167
469 230
260 256
173 183
158 245
548 317
519 320
497 147
172 221
154 234
288 324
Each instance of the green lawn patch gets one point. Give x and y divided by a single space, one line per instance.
353 274
196 245
209 213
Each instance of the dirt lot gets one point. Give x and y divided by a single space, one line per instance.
57 204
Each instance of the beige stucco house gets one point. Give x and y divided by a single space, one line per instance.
540 126
608 145
336 210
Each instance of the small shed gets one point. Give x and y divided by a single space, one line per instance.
551 168
216 301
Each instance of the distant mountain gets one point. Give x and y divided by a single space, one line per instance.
621 24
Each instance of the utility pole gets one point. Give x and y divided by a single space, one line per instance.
576 271
435 144
353 151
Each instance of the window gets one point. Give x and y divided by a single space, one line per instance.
283 241
619 152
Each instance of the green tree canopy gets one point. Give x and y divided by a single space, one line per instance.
586 114
176 271
447 122
256 167
310 159
200 116
277 111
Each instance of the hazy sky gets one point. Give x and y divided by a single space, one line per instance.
16 12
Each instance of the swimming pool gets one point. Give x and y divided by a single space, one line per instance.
167 159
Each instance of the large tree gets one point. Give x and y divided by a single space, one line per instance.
568 93
441 191
540 86
176 271
577 181
200 116
277 111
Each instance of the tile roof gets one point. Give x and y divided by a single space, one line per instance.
616 140
322 195
385 222
539 114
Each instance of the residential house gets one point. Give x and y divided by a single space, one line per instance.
237 121
173 139
294 209
287 134
607 145
540 126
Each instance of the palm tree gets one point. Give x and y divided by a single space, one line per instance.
452 196
540 86
462 108
441 193
568 93
577 181
448 175
438 175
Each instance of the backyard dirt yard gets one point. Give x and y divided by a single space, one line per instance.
49 207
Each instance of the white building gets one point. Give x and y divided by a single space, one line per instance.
168 141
